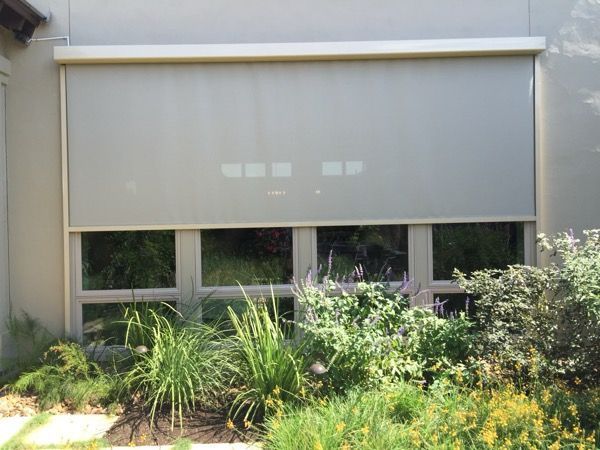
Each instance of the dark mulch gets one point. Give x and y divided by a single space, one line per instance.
204 427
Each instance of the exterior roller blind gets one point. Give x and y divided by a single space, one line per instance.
300 142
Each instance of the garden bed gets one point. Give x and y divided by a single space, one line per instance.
203 427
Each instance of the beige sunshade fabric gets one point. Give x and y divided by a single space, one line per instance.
300 142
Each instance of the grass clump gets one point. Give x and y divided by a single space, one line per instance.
67 375
185 363
273 368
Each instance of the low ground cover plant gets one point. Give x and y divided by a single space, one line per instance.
66 375
445 416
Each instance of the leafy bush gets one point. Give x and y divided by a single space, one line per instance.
445 416
370 335
513 315
185 363
67 375
544 323
273 369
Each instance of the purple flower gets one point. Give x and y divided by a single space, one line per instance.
401 331
467 301
329 262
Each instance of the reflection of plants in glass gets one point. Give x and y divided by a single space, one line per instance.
246 256
381 251
475 246
106 323
128 259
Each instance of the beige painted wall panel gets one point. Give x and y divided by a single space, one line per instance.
34 183
570 115
97 22
4 281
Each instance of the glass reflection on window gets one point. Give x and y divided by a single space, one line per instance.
379 251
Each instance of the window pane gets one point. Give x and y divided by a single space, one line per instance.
381 250
475 246
128 260
247 256
104 323
215 310
449 305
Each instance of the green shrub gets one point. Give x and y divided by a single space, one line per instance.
186 363
273 369
534 323
370 336
67 375
513 315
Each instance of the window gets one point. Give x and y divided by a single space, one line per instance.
452 304
128 260
115 270
105 323
215 310
248 256
474 246
380 250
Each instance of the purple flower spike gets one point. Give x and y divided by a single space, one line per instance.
467 302
436 305
329 262
401 331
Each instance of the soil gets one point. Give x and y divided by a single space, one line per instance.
203 427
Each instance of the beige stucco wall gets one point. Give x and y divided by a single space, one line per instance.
570 95
570 116
34 174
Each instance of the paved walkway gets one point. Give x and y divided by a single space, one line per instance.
63 429
9 426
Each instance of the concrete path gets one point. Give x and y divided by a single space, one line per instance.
9 426
65 428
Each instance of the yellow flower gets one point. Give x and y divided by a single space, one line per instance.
355 410
577 381
345 446
572 409
247 424
555 446
318 446
489 436
340 427
229 424
365 430
277 390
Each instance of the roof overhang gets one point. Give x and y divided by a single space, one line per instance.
20 17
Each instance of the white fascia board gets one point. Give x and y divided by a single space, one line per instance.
298 51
